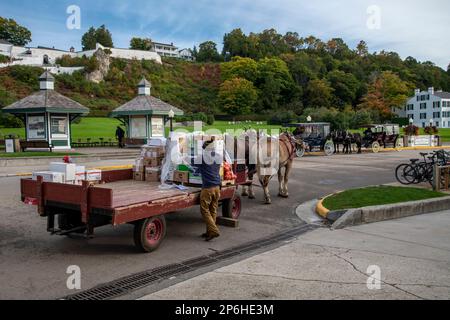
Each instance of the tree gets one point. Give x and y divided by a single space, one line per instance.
235 44
13 32
361 49
386 92
141 44
238 67
237 96
274 82
345 86
318 94
208 52
94 36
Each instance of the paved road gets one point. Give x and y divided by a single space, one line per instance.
33 264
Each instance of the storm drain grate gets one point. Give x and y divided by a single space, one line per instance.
140 280
199 262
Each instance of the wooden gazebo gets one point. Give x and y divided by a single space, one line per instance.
47 114
145 116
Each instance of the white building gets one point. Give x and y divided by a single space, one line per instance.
46 57
428 107
165 50
186 54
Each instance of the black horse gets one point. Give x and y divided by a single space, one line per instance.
347 140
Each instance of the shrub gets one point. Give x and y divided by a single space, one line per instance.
210 120
283 117
9 121
26 74
4 59
431 130
411 130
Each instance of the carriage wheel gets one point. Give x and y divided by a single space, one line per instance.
376 147
399 145
149 233
329 148
300 152
231 208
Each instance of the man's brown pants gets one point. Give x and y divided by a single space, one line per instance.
209 203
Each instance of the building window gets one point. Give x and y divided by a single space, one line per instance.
436 114
423 116
410 116
36 127
59 126
138 127
423 105
436 104
157 127
423 124
437 124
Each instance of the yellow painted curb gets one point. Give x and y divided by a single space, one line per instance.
321 210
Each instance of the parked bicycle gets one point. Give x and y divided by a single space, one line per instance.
420 171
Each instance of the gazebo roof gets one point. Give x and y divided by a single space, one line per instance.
46 101
145 105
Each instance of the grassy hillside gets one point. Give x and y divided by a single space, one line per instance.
191 87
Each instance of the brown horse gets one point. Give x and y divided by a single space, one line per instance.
268 156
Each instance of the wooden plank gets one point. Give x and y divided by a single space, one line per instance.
227 222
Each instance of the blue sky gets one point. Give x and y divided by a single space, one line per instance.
417 28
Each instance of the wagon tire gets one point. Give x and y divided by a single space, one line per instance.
376 147
149 233
231 208
329 148
399 145
70 221
300 152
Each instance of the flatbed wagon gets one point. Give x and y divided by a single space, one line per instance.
117 200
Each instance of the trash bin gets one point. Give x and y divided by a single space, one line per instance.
12 144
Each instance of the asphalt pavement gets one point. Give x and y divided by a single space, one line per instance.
33 263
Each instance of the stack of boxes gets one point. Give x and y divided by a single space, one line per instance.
148 166
69 173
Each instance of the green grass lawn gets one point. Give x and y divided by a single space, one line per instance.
373 196
37 154
96 128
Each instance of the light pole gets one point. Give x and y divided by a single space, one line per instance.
309 119
411 121
171 116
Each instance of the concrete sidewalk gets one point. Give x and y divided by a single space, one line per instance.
413 255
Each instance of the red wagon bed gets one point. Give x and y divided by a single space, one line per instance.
117 200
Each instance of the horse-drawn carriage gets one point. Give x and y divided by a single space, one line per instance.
312 137
377 136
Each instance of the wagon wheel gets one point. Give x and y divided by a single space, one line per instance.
376 147
149 233
399 145
329 148
231 208
300 151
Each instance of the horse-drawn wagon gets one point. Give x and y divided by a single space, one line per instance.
312 137
377 136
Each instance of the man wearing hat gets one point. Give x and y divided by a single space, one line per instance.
209 164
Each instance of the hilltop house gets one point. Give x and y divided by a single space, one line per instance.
428 107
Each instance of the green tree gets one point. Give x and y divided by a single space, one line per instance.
237 96
318 94
11 31
145 44
235 44
345 86
93 36
274 82
361 49
238 67
208 52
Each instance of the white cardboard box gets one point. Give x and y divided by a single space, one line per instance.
49 176
80 174
69 169
93 175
